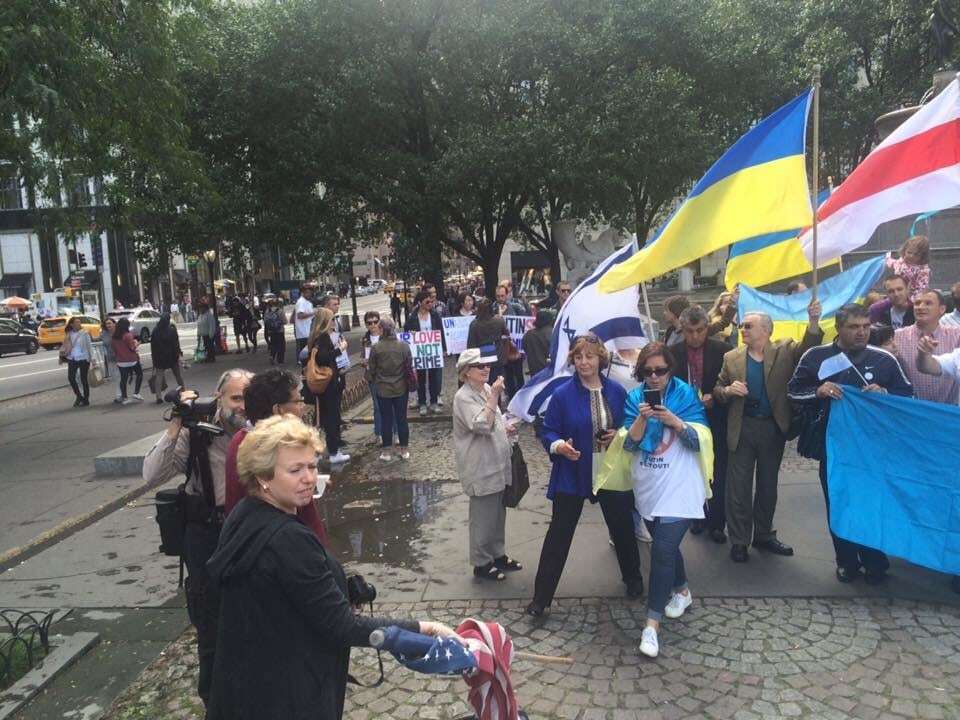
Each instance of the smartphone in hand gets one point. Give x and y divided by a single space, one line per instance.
652 397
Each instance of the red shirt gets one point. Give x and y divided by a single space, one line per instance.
308 514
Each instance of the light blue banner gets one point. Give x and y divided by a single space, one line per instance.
892 474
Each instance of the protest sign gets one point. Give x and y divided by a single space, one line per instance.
517 325
426 347
456 329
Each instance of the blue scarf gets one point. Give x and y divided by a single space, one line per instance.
680 398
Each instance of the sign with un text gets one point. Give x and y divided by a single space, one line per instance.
456 329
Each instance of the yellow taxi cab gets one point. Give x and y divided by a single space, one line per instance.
52 331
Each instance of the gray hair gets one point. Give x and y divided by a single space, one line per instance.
693 315
764 318
387 328
231 375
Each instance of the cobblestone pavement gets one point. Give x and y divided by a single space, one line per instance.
726 658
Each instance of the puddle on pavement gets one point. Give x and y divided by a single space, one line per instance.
379 520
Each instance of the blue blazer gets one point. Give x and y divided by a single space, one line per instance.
568 416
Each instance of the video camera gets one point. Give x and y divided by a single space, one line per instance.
196 413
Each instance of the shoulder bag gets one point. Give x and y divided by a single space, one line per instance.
519 479
318 376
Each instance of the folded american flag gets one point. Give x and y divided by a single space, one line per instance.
425 654
491 691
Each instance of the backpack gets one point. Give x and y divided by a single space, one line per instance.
272 322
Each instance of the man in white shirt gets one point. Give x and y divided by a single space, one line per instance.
953 319
303 313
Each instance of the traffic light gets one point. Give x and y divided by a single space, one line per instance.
81 260
97 253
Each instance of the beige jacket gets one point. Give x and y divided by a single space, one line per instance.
481 445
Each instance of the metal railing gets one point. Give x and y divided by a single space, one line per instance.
24 631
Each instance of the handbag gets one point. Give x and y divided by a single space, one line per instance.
199 354
318 376
519 479
95 375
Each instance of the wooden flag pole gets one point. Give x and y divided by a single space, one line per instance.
816 167
646 309
534 657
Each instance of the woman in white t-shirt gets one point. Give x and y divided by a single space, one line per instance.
668 482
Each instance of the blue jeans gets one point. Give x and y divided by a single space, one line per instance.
376 409
393 410
667 573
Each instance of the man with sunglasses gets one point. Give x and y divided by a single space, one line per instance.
753 385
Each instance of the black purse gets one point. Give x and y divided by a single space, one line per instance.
519 480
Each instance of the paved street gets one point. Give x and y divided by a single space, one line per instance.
23 375
777 637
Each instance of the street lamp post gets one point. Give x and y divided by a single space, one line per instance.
210 256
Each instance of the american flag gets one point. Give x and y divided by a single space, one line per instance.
491 691
425 654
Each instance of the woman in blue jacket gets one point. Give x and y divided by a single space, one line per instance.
581 420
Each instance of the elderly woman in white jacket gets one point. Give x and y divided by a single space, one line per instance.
483 462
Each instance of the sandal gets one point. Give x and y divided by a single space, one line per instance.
507 564
489 572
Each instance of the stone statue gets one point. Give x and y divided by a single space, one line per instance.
944 31
581 252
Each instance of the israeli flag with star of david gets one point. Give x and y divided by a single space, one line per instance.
613 317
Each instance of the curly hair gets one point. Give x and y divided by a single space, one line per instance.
266 389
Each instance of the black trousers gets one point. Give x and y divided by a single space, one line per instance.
81 367
240 332
617 508
125 373
277 343
328 415
210 346
716 505
301 344
203 598
850 555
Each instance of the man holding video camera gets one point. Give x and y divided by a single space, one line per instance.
195 444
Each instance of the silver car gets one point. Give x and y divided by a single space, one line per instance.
142 321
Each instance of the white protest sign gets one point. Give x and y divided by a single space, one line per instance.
517 325
426 347
456 329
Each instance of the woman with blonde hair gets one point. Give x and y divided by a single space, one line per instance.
320 346
286 621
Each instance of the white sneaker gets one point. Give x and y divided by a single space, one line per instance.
339 458
127 401
440 402
138 396
678 605
385 456
405 455
649 645
423 410
434 410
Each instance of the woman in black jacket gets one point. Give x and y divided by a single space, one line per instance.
286 624
489 330
166 353
327 404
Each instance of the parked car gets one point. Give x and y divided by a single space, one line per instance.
51 332
14 337
142 321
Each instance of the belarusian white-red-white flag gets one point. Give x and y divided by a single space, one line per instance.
915 169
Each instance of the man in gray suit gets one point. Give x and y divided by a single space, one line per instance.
753 385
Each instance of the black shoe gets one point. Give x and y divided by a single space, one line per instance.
875 577
738 553
775 546
76 403
635 589
697 527
84 403
847 575
534 610
718 536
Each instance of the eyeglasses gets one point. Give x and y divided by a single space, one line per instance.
746 326
658 371
373 322
565 291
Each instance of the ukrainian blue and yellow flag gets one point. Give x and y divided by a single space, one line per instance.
758 186
789 312
764 259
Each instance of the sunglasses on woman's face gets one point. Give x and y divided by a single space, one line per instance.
658 371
